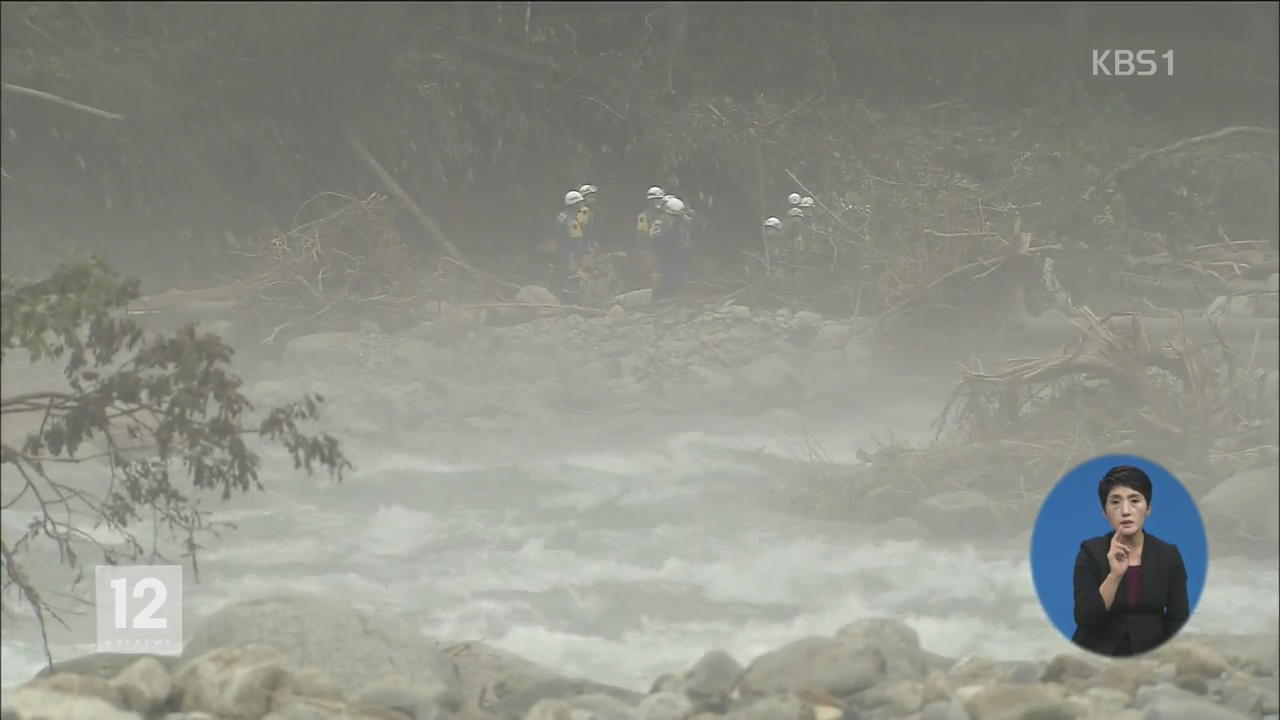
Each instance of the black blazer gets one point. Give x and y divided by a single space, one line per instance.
1162 605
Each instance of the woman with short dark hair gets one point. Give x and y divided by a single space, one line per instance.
1130 586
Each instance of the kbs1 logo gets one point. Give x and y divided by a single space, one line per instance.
139 608
1125 63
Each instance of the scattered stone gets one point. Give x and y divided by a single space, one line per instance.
488 674
775 707
32 702
665 706
896 697
1018 702
145 685
1191 709
1070 667
835 667
234 682
897 642
1127 676
711 679
944 710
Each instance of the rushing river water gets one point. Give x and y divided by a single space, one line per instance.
616 565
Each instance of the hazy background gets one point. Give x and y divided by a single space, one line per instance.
611 544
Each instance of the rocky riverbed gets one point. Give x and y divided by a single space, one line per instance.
304 657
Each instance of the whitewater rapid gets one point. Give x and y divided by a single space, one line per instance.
618 566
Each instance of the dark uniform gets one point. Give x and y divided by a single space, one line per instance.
793 229
669 235
569 249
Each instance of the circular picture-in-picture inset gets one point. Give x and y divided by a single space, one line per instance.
1119 555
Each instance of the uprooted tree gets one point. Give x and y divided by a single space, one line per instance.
169 395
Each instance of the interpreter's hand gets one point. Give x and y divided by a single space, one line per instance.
1118 556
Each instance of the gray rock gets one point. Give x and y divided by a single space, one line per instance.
943 710
38 703
664 706
352 646
778 707
1019 702
833 337
1104 700
418 703
517 704
895 697
806 318
535 295
1191 709
600 707
1066 667
235 681
146 685
1245 699
1150 694
487 674
1026 673
897 643
835 667
711 679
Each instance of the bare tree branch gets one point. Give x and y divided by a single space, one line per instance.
19 90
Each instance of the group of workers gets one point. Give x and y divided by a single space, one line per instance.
662 239
793 229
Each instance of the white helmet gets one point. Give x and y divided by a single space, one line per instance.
806 202
794 198
673 205
573 197
588 190
656 193
795 212
773 222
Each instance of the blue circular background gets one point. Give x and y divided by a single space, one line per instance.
1072 513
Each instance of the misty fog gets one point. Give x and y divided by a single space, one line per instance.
1012 262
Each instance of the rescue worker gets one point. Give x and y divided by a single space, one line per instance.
807 205
569 246
671 244
793 200
590 234
794 228
773 237
646 270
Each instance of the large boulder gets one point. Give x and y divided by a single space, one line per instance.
488 675
898 643
835 667
33 701
349 645
238 683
